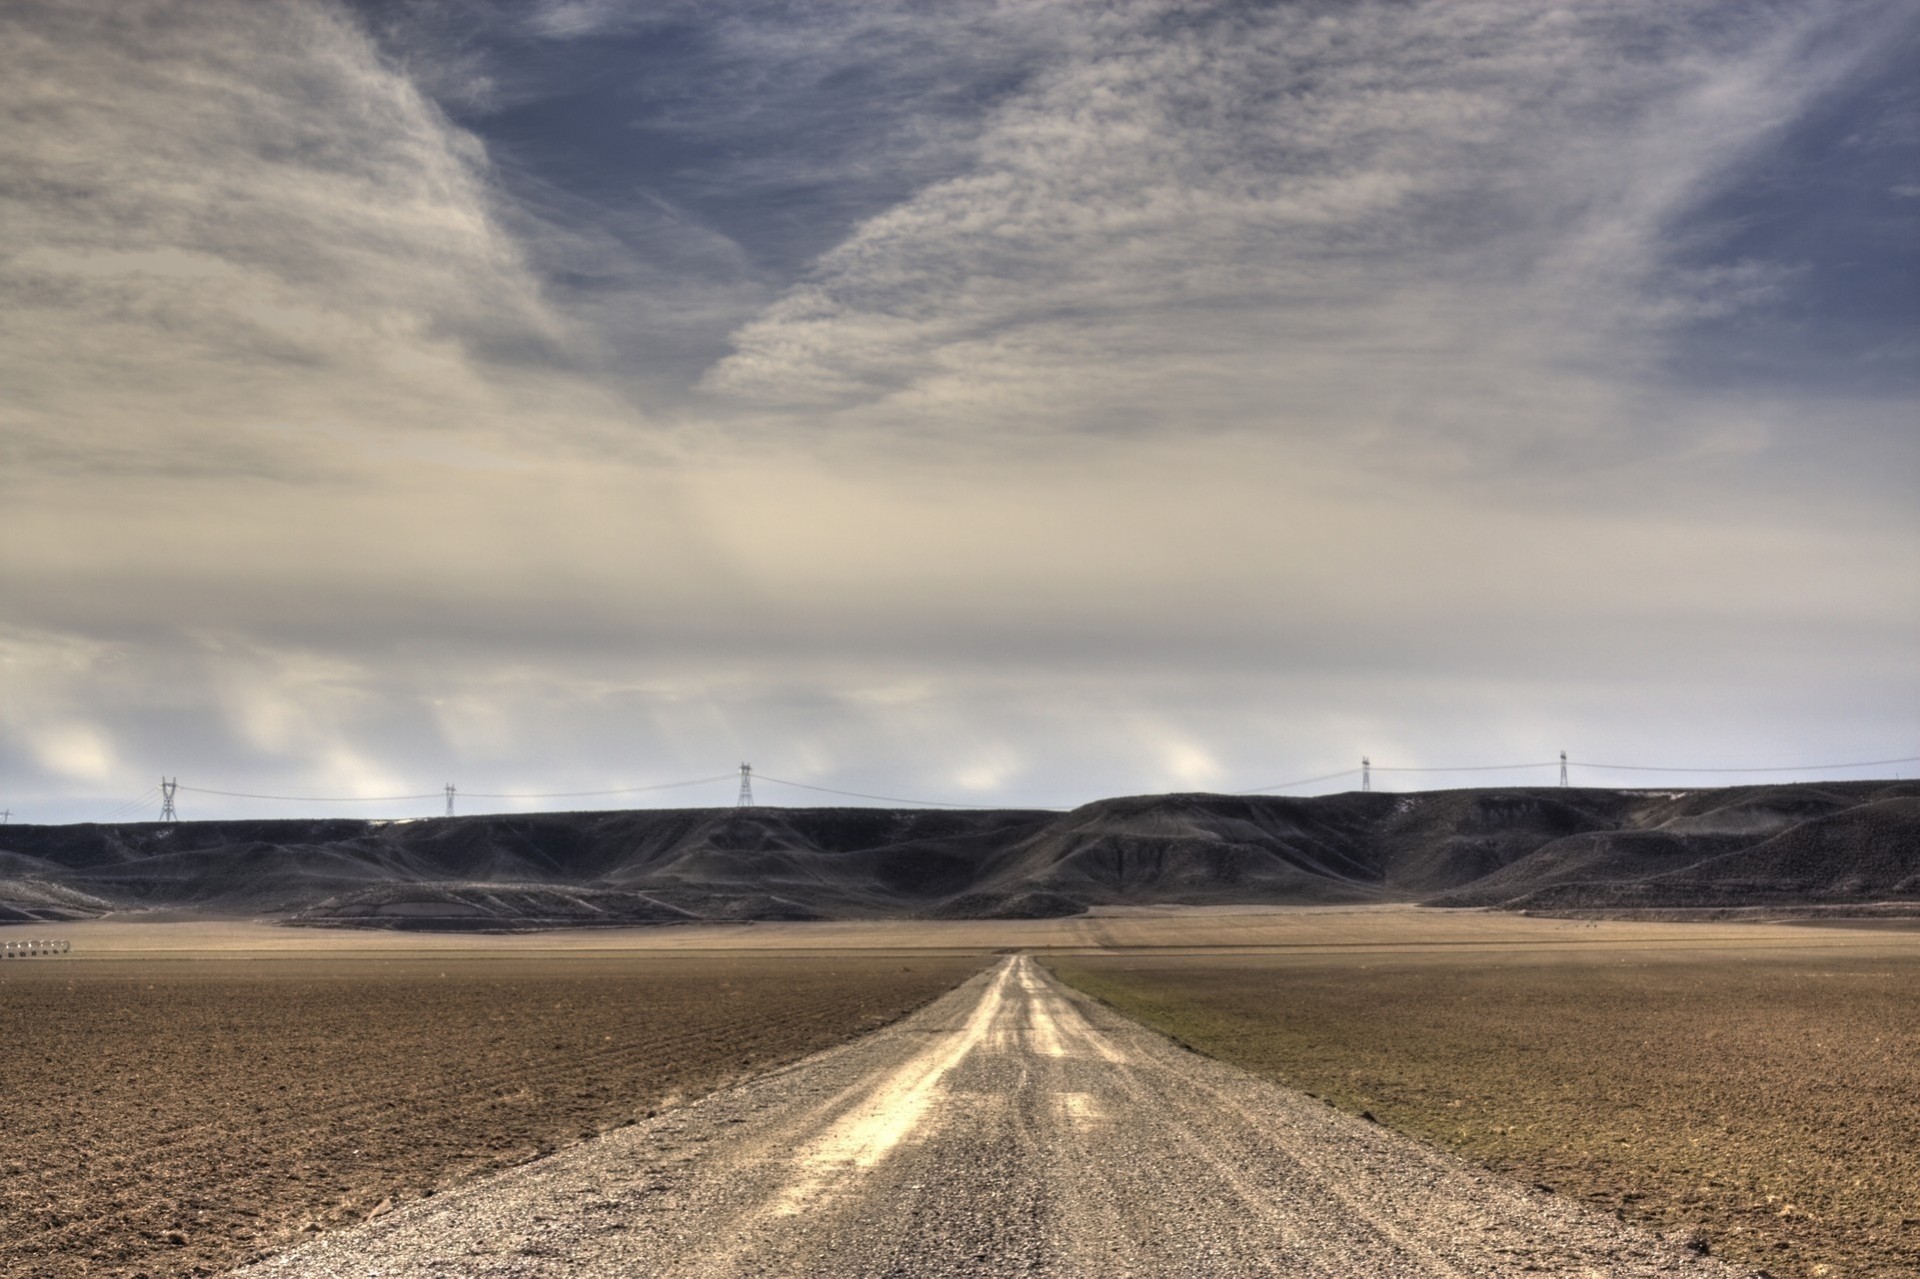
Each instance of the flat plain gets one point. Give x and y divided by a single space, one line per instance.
179 1116
180 1096
1764 1098
1012 1129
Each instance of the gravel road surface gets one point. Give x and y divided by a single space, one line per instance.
1012 1127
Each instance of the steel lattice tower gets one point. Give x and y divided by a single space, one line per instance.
1366 773
166 800
450 792
1563 769
746 786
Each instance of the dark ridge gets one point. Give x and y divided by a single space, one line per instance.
471 907
1835 845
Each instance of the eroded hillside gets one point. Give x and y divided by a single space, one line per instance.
1544 848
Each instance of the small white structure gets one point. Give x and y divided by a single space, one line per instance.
28 949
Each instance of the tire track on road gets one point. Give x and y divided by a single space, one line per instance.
1010 1128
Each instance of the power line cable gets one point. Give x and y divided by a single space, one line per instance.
888 799
1468 768
135 805
372 799
581 794
1769 768
1575 763
1304 781
122 810
131 806
314 799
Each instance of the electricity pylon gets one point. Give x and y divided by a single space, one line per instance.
166 800
746 786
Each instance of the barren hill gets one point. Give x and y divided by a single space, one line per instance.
1545 848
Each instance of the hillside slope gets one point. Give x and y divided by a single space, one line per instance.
1536 848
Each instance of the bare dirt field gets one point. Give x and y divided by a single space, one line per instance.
1767 1094
179 1095
1011 1129
179 1111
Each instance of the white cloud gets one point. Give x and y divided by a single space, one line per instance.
1231 391
1450 223
75 751
221 217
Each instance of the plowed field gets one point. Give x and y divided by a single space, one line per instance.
177 1117
1770 1103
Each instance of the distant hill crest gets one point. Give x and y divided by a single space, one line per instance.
1833 844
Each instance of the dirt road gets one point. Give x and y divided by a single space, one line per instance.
1010 1128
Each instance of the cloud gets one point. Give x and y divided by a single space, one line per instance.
1019 401
1450 224
226 221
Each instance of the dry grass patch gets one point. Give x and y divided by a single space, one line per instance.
1773 1100
177 1117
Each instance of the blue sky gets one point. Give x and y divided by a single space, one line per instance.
993 402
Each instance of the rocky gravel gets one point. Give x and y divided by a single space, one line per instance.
1012 1127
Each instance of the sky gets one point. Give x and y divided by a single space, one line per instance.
995 402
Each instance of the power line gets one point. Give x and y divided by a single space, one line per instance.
888 799
1304 781
1768 768
584 794
1565 762
168 785
441 793
133 805
1463 768
314 799
127 807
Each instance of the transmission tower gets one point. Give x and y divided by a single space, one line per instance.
166 800
6 817
1563 770
1366 773
746 786
449 799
